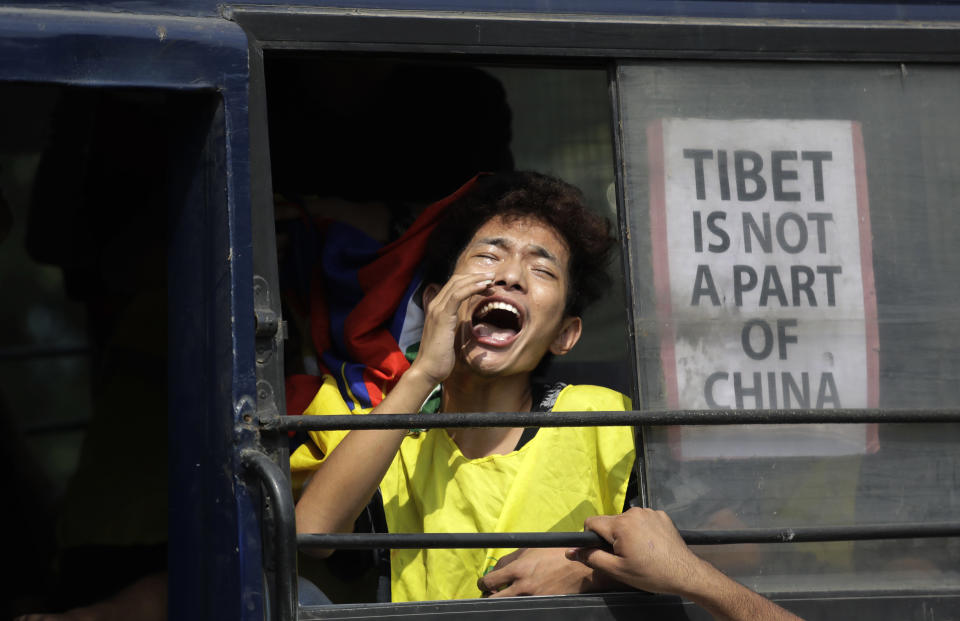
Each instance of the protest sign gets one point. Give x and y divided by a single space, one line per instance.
763 273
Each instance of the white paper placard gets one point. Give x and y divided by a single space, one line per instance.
764 279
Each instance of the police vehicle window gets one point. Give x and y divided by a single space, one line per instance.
561 125
370 143
45 358
88 178
361 146
801 254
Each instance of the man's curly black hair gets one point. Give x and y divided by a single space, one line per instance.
520 195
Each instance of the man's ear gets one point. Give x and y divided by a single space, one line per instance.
567 337
429 292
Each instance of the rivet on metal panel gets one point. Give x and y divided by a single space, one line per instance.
266 322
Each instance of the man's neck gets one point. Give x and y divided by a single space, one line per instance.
466 392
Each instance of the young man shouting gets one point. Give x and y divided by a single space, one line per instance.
508 272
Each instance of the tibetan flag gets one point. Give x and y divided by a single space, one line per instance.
364 313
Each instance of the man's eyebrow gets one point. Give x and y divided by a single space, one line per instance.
501 242
540 251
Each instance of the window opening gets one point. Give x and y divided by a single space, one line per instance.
371 141
87 185
745 143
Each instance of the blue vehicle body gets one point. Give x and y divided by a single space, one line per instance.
216 556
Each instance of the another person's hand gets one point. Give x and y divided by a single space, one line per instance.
648 552
437 354
540 571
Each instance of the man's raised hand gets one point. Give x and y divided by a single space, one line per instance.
346 481
437 356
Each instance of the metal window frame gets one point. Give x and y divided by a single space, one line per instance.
214 559
599 40
276 483
818 606
594 36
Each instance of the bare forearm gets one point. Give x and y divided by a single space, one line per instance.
649 554
728 600
346 481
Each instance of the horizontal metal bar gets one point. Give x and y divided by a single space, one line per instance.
396 541
599 419
358 541
863 599
595 35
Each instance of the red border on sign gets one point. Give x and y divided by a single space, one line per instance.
869 288
661 265
661 274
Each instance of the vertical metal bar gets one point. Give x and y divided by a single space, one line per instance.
269 332
275 484
269 338
632 299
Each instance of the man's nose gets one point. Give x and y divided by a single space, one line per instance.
510 275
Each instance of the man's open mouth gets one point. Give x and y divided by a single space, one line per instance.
497 322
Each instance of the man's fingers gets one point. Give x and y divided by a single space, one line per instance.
459 288
475 284
510 591
597 559
496 580
600 559
603 525
506 559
